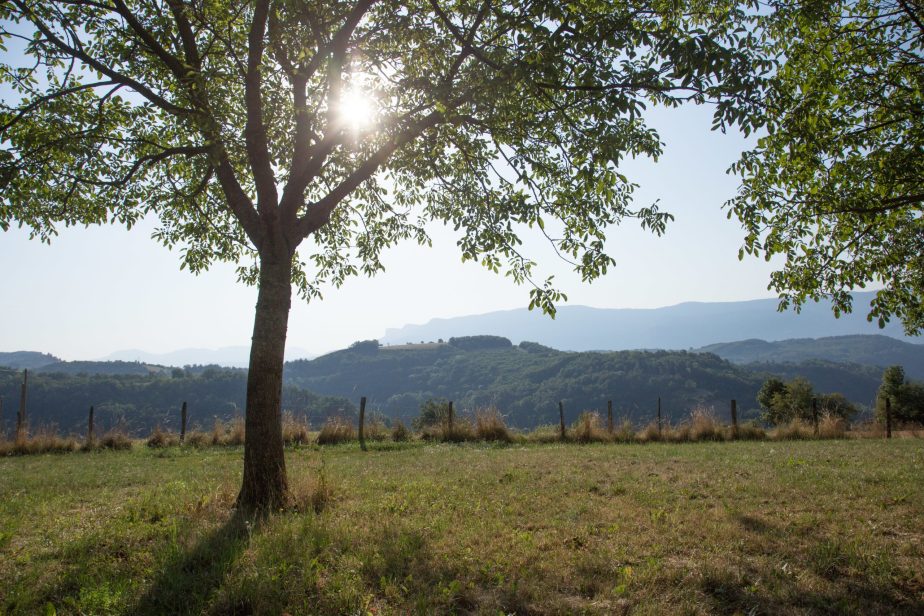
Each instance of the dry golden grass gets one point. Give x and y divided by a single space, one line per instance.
830 426
295 430
794 430
588 429
704 426
490 426
162 438
45 440
336 430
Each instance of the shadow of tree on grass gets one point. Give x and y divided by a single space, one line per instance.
189 578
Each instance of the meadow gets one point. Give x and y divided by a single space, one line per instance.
744 527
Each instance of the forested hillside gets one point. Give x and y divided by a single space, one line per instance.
882 351
140 402
526 381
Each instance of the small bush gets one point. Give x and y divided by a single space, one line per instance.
336 430
587 429
198 438
703 426
161 438
375 430
490 426
650 433
294 429
399 432
832 426
625 431
235 432
115 439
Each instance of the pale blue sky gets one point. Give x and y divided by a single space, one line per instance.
98 290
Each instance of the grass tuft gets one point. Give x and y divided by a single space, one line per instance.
336 430
589 429
490 426
161 438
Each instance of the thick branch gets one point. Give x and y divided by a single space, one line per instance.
319 213
255 131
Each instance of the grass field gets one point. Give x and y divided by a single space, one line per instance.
793 527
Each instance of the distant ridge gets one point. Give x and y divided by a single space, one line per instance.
231 357
27 359
683 326
866 350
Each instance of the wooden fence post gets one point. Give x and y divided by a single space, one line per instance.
888 418
21 416
450 419
362 421
183 422
734 418
561 418
815 415
659 415
609 416
90 427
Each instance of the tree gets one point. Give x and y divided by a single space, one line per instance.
836 185
785 402
906 398
253 128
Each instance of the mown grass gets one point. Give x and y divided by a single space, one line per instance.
794 527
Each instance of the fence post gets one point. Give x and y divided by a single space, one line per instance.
90 427
609 416
561 418
888 418
450 419
183 422
815 414
2 431
659 415
21 416
362 421
734 418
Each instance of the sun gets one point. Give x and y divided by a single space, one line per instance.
357 111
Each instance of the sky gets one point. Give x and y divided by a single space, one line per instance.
98 290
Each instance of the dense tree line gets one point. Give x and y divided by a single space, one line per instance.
138 403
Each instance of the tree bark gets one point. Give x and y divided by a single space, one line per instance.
265 487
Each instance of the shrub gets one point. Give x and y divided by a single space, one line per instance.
115 439
399 432
650 433
587 429
703 426
46 440
336 430
235 432
460 431
198 438
161 438
375 429
832 426
490 426
625 432
294 429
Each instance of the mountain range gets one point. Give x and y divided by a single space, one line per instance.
683 326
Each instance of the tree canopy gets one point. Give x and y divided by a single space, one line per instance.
836 184
248 128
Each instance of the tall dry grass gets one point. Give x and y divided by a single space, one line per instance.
295 430
490 426
589 429
336 430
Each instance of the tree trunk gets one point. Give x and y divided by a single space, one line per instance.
265 486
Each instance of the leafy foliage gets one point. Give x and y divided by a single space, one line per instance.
906 397
836 184
783 403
